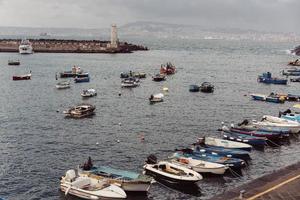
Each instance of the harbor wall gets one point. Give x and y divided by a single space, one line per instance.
70 46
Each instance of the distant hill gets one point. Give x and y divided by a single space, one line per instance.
149 30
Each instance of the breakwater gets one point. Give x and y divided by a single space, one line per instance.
70 46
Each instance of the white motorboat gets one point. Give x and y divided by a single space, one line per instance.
210 141
89 93
25 47
200 166
278 120
156 98
89 188
170 173
63 85
129 83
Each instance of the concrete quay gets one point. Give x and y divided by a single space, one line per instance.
283 184
70 46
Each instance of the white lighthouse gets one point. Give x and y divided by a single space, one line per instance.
114 41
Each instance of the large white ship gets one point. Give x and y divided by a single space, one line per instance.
25 47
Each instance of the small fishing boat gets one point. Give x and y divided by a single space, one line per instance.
170 173
271 98
278 120
81 110
13 62
293 97
89 188
63 85
210 141
159 77
167 68
295 79
207 87
133 74
73 73
268 79
81 78
194 88
129 83
22 77
156 98
235 153
294 63
258 142
89 93
246 125
290 73
259 97
228 161
199 166
128 180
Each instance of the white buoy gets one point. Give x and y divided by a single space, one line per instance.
120 124
165 89
97 143
118 141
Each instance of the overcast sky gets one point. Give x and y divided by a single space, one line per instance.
269 15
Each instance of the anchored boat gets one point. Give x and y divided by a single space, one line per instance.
89 93
89 188
267 78
156 98
63 85
22 77
81 110
170 173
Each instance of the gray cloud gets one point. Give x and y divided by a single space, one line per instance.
270 15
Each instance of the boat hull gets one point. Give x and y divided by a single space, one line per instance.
168 180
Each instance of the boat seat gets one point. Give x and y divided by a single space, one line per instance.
170 170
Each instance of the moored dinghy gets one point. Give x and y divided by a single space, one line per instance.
22 77
156 98
234 163
194 88
268 79
63 85
89 93
79 111
89 188
170 173
129 181
207 87
210 141
199 166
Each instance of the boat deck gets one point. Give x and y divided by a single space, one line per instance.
283 184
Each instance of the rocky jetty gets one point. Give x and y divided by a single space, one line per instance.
70 46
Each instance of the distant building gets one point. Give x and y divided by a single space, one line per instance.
114 41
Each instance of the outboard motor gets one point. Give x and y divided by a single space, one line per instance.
151 159
88 165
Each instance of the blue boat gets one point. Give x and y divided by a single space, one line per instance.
291 73
194 88
258 97
273 98
258 142
267 78
235 153
291 116
82 79
235 163
293 97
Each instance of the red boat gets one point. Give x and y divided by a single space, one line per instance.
22 77
167 69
